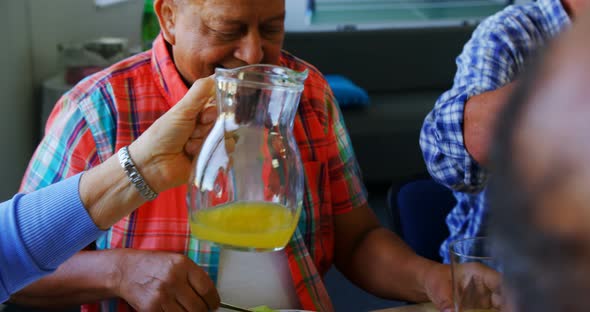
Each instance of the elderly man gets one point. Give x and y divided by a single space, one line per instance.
456 133
147 261
539 198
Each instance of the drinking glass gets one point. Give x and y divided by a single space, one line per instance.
471 260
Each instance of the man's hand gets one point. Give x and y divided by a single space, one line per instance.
161 281
479 279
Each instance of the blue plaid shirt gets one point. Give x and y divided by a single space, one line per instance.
493 57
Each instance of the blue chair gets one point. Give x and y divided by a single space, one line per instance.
419 209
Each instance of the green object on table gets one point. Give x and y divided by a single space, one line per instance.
150 28
262 309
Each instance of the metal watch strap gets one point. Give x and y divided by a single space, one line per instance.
134 175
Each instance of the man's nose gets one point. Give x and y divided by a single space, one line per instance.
250 48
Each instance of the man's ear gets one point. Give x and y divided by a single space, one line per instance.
166 12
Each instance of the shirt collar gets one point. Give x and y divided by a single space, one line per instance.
555 15
167 77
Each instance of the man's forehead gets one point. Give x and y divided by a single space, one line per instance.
228 11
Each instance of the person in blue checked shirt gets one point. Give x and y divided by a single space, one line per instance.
455 136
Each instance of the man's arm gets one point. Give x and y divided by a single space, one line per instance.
455 153
479 118
380 262
368 254
147 280
88 276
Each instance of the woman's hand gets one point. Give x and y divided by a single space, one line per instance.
164 153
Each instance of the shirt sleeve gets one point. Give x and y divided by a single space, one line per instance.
67 148
490 59
41 230
347 188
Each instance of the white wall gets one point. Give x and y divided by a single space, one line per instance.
32 29
295 18
16 98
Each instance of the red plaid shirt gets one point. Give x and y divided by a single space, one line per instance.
113 107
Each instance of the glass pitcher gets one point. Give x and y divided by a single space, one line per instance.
246 190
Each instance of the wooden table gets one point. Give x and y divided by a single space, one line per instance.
424 307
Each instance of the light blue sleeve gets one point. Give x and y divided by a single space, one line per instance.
39 231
